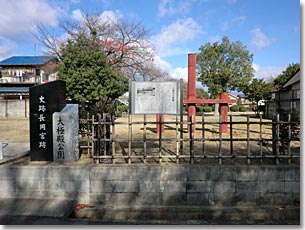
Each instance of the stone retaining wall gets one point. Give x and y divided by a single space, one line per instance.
136 185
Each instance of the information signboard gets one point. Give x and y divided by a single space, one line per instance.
154 97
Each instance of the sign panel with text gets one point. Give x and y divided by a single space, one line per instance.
154 97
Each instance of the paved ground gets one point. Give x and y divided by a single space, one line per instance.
58 212
13 151
14 134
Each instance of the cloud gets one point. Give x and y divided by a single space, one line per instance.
179 72
268 72
163 7
259 39
215 38
78 15
164 65
168 42
6 48
18 18
227 24
106 16
171 7
111 16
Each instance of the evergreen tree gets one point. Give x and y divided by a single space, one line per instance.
281 79
88 75
258 90
224 66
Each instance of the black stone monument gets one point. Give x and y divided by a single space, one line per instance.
45 99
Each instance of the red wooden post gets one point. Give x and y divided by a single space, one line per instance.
224 111
191 100
191 86
158 125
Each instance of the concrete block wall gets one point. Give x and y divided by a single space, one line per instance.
44 182
146 185
14 108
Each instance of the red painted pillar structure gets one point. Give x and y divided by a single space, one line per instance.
223 107
191 86
158 128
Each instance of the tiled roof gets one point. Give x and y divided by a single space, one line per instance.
294 79
26 60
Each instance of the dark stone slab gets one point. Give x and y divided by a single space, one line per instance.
45 99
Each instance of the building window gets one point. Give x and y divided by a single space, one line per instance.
273 96
293 105
295 94
19 73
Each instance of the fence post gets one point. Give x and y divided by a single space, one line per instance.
98 136
181 116
248 140
203 134
160 139
88 134
231 137
108 133
93 147
129 137
144 139
191 138
177 139
220 140
289 138
113 139
181 133
261 137
104 135
275 137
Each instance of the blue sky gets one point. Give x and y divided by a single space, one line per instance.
269 28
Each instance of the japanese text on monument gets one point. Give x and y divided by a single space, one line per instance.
60 138
42 122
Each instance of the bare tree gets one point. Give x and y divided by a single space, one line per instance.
48 39
124 42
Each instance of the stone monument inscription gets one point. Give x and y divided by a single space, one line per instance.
45 99
65 134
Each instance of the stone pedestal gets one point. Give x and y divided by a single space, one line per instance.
65 134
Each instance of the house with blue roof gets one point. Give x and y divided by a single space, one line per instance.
18 73
28 69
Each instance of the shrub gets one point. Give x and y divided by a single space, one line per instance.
234 108
284 129
185 108
123 108
199 108
242 109
207 109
